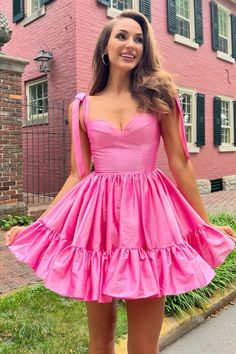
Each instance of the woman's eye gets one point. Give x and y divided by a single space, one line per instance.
120 36
139 39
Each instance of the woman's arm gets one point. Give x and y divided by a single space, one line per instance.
74 177
181 167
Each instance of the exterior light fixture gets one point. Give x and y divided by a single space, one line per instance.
44 60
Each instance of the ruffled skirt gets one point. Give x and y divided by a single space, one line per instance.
122 235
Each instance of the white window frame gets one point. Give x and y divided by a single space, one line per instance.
39 118
190 42
112 12
224 147
32 16
221 55
192 147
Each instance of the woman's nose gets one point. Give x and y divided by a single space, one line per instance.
130 42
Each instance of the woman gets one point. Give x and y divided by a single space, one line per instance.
124 230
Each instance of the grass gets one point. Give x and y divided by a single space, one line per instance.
36 320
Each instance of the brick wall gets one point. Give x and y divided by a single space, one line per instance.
11 196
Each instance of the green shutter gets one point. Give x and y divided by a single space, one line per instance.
233 30
198 21
171 16
234 103
217 121
214 26
105 2
18 10
200 119
145 8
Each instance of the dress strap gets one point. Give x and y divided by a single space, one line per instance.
182 128
76 133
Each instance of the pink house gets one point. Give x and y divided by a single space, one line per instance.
196 40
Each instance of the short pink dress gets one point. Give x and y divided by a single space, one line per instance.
124 231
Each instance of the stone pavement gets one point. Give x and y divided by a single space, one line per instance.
220 201
15 274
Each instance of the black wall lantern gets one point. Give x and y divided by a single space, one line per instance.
44 60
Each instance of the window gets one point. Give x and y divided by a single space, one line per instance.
183 17
225 123
120 5
114 7
188 104
223 25
185 21
37 102
33 6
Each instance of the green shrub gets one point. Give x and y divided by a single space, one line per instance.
9 221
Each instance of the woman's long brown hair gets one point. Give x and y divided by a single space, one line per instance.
151 85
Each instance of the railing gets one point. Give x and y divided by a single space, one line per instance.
45 152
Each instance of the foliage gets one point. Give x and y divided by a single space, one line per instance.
9 221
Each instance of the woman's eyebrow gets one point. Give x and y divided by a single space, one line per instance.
123 30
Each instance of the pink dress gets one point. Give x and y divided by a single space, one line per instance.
125 230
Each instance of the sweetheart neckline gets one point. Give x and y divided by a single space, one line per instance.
127 124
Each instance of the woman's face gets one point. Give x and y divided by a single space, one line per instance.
125 45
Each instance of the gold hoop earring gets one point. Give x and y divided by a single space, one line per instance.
104 61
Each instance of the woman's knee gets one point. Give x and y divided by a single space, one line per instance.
102 320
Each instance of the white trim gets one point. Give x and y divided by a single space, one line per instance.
227 148
112 12
192 146
224 56
185 41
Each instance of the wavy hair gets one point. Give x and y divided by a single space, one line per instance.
151 85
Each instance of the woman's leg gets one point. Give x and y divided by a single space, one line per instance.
102 326
145 318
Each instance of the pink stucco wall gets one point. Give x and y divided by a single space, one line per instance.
70 29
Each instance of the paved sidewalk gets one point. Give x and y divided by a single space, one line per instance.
216 335
220 201
14 274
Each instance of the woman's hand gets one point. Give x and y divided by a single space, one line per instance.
11 234
227 230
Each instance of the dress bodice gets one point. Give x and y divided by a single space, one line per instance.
132 149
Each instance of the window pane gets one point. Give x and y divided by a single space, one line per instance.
223 23
188 131
183 27
32 92
40 90
223 45
122 4
36 4
225 135
183 17
186 103
183 8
